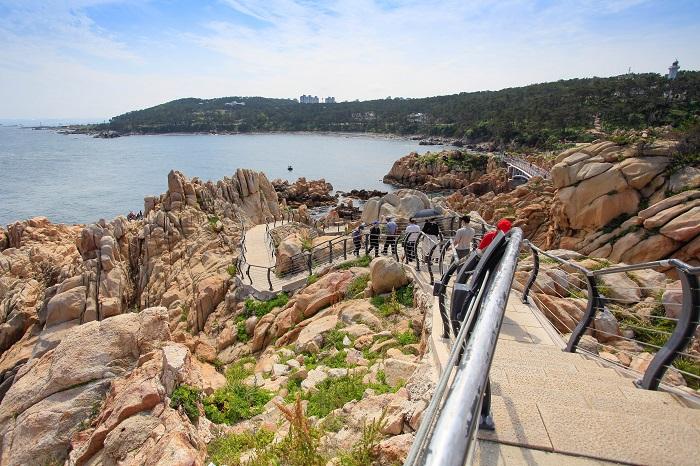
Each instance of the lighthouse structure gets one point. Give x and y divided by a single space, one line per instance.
673 70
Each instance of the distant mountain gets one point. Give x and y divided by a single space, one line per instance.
537 115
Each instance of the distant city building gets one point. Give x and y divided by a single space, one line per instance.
234 103
313 99
673 70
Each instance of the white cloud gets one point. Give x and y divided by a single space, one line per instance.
56 61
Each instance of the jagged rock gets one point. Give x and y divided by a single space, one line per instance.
71 379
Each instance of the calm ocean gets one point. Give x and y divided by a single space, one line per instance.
80 179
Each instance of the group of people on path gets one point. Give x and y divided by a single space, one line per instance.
462 241
132 216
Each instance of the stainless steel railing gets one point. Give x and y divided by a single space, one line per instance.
461 401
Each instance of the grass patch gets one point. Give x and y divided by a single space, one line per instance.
392 304
362 261
334 338
364 453
692 367
187 398
357 286
313 278
236 401
333 423
232 270
228 449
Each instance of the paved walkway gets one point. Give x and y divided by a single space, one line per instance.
552 407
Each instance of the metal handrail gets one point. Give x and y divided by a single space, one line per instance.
686 324
447 440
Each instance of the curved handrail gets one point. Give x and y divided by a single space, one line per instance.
686 323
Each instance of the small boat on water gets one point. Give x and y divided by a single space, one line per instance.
290 168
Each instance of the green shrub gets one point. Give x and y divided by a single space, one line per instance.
357 286
406 338
232 270
260 308
242 332
333 394
235 401
187 398
334 339
184 312
313 278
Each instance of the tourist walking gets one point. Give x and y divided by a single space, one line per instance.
357 238
412 234
374 233
391 236
432 235
463 237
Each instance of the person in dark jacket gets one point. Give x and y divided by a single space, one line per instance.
374 233
357 238
432 235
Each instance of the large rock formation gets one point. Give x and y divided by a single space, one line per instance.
311 193
436 172
527 206
401 205
619 202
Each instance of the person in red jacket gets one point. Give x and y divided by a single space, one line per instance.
503 225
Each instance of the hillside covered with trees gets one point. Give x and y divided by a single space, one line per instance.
539 115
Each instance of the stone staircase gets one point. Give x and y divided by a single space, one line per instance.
552 407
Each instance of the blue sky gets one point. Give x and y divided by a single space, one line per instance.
100 58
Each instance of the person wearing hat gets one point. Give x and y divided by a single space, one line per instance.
391 236
357 238
374 233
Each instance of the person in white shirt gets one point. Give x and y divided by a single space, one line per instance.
412 233
463 238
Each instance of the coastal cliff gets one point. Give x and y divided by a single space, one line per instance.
134 342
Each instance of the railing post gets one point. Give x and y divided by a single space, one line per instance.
345 249
682 334
594 303
308 262
366 244
269 278
430 264
533 274
330 252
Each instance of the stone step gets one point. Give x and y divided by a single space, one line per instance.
591 425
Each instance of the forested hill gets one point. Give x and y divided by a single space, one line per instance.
536 115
